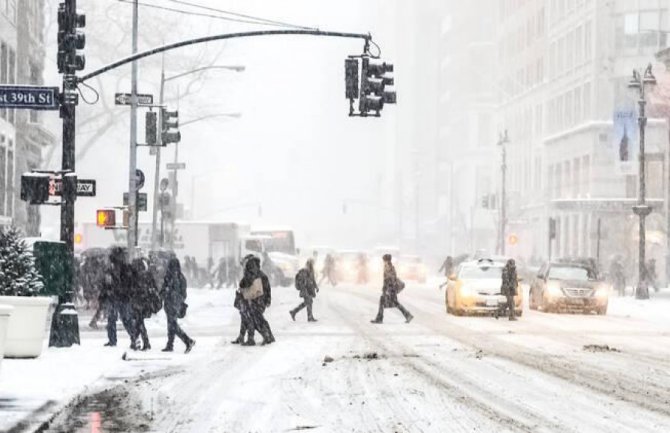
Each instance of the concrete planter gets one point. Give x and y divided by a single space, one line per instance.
28 325
5 313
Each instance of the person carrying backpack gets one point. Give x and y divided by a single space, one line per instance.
173 294
305 283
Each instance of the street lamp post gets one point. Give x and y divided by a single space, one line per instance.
502 140
642 209
164 79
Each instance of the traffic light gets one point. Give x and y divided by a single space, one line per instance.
170 127
374 79
150 128
70 39
351 78
105 218
35 188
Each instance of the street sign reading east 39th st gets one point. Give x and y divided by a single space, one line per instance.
29 97
125 98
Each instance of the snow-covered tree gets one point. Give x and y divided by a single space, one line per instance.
18 275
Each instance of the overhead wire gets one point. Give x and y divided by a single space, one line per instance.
240 15
255 21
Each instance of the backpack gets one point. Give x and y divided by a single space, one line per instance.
154 301
301 280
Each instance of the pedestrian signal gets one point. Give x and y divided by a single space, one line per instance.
105 218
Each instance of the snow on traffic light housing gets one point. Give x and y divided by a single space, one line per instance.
375 79
105 218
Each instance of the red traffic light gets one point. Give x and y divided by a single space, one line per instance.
105 218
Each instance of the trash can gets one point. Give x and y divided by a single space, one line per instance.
54 263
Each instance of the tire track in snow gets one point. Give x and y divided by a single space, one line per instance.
513 417
651 396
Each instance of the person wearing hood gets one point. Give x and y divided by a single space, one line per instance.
510 283
389 298
173 294
256 291
145 301
305 283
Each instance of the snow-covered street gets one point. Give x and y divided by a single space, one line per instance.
440 373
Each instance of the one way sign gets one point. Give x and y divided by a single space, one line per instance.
125 99
85 187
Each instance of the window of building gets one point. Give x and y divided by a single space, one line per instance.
3 179
11 79
579 45
578 105
4 54
587 101
35 80
586 175
587 41
10 181
569 113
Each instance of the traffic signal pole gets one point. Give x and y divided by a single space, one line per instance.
132 169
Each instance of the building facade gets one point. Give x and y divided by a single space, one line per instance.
22 132
560 82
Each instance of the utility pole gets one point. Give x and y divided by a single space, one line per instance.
642 209
502 140
132 170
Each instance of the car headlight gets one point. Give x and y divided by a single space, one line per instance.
554 289
602 292
467 291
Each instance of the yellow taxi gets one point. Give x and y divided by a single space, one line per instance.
475 289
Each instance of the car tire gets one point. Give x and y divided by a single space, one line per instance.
459 313
547 308
601 311
518 313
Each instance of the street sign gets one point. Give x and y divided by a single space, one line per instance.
139 178
141 201
29 97
85 187
125 99
176 166
164 184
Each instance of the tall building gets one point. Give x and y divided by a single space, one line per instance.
22 132
564 66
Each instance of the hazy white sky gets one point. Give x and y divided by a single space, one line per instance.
295 151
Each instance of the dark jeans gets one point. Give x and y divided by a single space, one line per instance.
261 325
175 330
307 302
112 312
141 331
390 303
511 306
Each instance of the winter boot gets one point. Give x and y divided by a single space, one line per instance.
168 349
189 346
292 313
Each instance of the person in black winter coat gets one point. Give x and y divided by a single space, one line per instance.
173 294
508 288
256 307
116 295
389 298
305 282
143 297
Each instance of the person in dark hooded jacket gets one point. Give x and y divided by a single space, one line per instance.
173 293
257 306
116 295
389 298
305 283
508 288
145 298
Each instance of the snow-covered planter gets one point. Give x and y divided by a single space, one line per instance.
19 286
28 325
5 313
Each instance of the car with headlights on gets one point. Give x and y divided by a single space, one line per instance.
475 289
570 286
411 268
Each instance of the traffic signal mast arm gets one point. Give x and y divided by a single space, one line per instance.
366 37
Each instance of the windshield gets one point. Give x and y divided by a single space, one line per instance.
279 241
575 273
477 272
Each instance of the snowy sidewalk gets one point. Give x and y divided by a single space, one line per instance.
32 391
